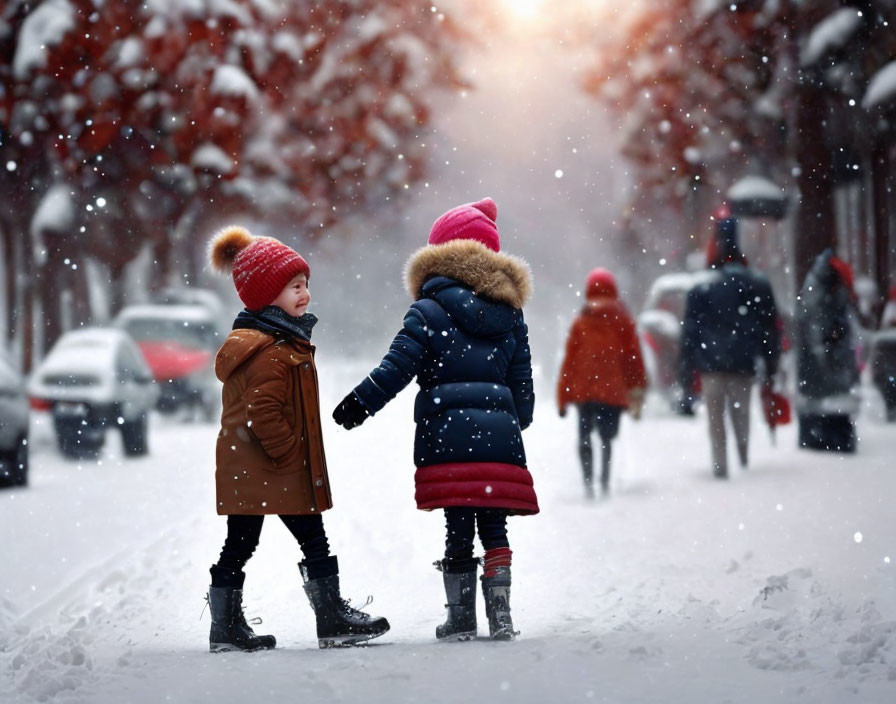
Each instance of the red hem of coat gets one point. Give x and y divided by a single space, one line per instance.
479 484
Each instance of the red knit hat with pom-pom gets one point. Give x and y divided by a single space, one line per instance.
600 282
473 221
261 266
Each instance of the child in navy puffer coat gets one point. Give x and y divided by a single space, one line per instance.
465 341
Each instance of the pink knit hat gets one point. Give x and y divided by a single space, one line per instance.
600 282
261 266
473 221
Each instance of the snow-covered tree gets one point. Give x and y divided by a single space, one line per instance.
711 91
163 117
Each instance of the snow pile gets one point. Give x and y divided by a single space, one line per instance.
831 34
796 625
881 87
45 27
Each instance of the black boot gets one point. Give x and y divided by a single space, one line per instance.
496 591
337 622
459 577
229 629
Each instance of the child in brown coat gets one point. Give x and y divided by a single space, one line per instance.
270 455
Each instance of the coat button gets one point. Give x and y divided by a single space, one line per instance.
319 482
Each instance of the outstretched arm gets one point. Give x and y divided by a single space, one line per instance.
398 367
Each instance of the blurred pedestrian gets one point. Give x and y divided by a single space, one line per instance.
730 323
602 373
270 454
888 316
465 341
883 356
827 356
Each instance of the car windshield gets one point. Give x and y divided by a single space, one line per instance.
191 334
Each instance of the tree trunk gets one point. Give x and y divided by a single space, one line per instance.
116 287
50 280
815 224
9 288
881 195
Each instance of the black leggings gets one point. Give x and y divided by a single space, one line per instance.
603 418
461 523
243 533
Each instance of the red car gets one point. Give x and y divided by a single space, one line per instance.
179 342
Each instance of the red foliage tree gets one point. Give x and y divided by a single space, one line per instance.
162 117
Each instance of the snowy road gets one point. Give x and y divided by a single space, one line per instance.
776 586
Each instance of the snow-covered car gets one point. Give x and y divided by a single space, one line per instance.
178 342
13 426
91 380
659 327
191 296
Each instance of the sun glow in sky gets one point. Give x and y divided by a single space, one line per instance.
525 9
576 11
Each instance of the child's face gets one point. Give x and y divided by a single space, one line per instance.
295 296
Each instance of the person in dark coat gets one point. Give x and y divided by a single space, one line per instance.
827 361
883 356
270 454
602 373
730 324
465 341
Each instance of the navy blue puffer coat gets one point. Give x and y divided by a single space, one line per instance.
465 341
729 322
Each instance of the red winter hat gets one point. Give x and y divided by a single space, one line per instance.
473 221
262 266
600 282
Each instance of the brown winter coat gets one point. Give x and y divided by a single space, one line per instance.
270 452
603 358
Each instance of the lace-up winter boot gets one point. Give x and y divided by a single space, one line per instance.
459 577
229 630
337 622
496 590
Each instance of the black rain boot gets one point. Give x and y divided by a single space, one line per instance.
496 591
337 622
459 577
229 630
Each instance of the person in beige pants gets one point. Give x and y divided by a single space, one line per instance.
730 333
723 390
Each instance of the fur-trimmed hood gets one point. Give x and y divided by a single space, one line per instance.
492 275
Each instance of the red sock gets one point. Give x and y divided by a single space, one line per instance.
496 557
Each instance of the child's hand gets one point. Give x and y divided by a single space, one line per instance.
350 413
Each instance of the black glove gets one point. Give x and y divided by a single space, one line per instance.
350 413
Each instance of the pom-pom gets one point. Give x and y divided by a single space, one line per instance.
487 207
224 246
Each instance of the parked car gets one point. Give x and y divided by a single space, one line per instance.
91 380
178 342
659 327
13 426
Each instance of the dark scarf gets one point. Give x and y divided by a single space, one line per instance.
275 321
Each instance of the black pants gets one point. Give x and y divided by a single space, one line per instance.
603 418
243 533
461 524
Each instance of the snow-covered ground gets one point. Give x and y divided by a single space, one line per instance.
777 586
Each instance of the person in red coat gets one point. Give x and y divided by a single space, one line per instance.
602 372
